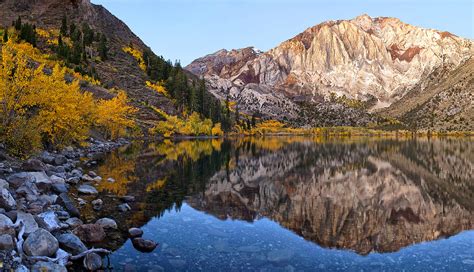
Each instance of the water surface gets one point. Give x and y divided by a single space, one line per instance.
293 204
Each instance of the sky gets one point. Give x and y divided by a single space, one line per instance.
188 29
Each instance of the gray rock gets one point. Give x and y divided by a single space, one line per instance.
56 179
7 201
5 221
87 178
107 223
124 207
41 243
143 245
17 179
63 215
135 232
6 242
97 204
92 262
60 160
71 243
87 189
76 173
48 267
68 205
49 221
29 222
60 188
46 157
73 180
4 184
92 174
33 165
74 222
127 199
111 180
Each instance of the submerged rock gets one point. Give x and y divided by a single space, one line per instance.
48 267
135 232
41 243
92 262
144 245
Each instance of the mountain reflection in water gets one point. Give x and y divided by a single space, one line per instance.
359 194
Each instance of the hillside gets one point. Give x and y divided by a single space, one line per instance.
442 104
376 61
120 70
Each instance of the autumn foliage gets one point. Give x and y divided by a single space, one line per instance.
188 125
39 107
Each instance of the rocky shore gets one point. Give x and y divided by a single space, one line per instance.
40 224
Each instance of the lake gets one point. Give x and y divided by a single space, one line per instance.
292 204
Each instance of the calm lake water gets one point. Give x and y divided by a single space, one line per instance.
293 204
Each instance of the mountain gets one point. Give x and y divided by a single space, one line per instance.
120 70
377 61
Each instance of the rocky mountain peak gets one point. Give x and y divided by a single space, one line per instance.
363 58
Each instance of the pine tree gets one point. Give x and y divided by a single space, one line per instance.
18 24
5 36
103 50
64 27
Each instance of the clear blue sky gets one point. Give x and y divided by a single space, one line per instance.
187 29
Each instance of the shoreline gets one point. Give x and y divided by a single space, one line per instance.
40 224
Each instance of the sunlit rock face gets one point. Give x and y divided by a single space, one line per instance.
380 198
364 58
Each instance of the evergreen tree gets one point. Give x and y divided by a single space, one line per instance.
64 27
5 36
103 49
18 24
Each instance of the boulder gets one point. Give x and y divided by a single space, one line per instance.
33 165
49 221
144 245
46 157
48 267
29 222
41 243
60 160
17 179
5 221
107 223
90 233
7 201
56 179
4 184
59 188
6 242
68 205
71 243
135 232
92 262
87 190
